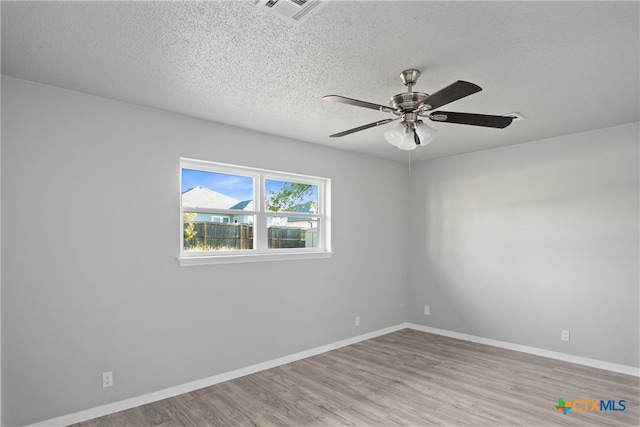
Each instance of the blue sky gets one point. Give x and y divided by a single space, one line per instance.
238 187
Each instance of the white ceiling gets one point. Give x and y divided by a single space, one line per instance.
566 66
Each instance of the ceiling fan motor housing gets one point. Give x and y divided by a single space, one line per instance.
409 102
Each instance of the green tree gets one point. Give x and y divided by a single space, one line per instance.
290 195
189 227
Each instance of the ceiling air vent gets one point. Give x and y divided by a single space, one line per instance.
294 11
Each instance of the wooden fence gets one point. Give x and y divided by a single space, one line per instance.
220 236
285 237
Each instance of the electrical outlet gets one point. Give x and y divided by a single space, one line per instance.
427 310
357 322
107 379
564 335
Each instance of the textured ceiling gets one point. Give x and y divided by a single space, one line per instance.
566 66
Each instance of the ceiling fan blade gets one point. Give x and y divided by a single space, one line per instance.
363 127
485 120
358 103
451 93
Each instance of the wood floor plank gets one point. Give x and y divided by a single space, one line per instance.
406 378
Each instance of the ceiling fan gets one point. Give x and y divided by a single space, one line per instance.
410 106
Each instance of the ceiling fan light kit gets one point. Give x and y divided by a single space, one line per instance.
395 134
404 137
410 106
425 133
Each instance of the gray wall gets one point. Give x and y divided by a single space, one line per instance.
517 243
511 244
76 304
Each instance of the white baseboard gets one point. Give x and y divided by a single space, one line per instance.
206 382
629 370
216 379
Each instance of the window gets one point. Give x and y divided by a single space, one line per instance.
238 214
218 218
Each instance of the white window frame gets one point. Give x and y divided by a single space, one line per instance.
260 251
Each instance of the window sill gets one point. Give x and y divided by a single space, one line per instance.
253 257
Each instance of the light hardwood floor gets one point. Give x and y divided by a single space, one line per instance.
403 378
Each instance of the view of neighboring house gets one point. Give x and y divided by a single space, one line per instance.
307 207
201 197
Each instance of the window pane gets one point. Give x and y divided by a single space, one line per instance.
292 232
212 190
205 231
284 196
